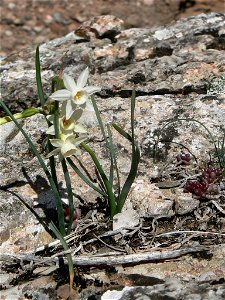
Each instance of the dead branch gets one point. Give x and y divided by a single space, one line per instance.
108 260
133 258
196 232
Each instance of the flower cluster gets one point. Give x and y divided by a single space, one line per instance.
183 159
73 100
200 187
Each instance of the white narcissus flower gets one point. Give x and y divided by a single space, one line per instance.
76 93
66 146
67 126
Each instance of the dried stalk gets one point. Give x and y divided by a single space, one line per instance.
107 260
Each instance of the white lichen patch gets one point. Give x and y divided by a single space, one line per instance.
163 34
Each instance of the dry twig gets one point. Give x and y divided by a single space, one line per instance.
108 260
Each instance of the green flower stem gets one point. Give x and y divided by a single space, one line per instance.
108 186
56 120
50 147
53 108
44 167
69 194
66 247
52 165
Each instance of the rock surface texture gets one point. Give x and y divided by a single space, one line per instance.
27 22
178 72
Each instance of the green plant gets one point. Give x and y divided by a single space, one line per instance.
210 174
68 138
219 146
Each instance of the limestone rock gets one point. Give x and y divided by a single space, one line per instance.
185 63
100 27
149 201
177 72
169 290
127 218
21 24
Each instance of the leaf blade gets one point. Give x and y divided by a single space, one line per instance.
38 78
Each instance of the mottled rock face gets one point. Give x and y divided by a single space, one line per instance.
177 72
21 24
170 290
100 27
182 58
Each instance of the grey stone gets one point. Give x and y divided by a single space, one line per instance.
175 70
171 289
127 218
169 86
185 203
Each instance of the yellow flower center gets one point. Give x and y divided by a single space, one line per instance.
66 123
77 96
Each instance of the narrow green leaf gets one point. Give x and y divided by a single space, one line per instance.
108 186
69 194
122 132
24 114
111 150
99 120
97 113
84 178
133 97
44 167
38 78
130 179
135 158
114 161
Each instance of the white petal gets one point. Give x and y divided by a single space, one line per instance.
56 143
92 89
71 139
80 128
69 83
77 114
53 152
51 130
80 139
50 118
82 79
69 109
63 109
89 106
61 95
78 152
68 149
